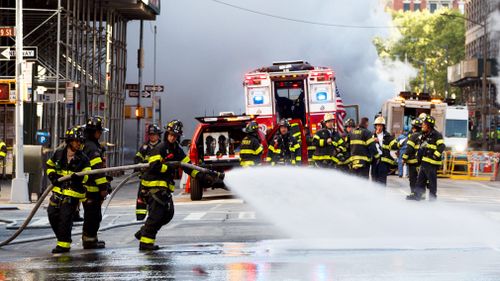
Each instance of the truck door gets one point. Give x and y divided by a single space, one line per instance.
438 111
395 118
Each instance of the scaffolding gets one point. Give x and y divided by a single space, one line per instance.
92 64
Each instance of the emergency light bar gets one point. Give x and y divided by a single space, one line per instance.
216 119
255 79
321 76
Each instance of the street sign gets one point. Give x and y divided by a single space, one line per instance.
29 53
154 88
4 53
132 87
135 94
7 31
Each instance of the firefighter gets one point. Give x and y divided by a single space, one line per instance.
251 148
430 151
362 149
157 184
310 146
154 136
3 150
328 144
98 186
67 160
284 148
410 155
384 142
344 157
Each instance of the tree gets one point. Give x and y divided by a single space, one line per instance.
430 38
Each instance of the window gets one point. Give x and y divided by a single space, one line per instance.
406 7
433 7
456 128
416 7
258 97
321 93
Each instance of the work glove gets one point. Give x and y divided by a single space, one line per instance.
54 177
76 179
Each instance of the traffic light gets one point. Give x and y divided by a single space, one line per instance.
4 92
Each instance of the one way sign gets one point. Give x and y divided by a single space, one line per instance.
4 53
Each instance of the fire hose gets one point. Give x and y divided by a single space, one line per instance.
100 171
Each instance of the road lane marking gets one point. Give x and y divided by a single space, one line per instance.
195 216
246 215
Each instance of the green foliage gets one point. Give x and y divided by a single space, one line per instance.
437 39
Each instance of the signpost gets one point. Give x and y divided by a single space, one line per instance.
154 88
135 94
29 53
132 87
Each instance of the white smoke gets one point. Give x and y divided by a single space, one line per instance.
205 48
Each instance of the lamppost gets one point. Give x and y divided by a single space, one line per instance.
484 94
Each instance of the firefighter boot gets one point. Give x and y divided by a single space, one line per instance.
413 196
59 250
138 235
148 247
92 243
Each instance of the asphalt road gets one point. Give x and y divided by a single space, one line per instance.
223 238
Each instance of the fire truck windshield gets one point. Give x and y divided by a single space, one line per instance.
289 97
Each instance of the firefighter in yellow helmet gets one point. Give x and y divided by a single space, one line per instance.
66 160
329 144
251 149
384 142
430 152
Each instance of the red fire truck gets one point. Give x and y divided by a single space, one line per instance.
290 89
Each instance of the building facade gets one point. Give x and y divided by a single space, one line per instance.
430 5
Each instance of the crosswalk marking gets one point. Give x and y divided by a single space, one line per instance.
195 216
246 216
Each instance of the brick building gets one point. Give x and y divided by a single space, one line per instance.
431 5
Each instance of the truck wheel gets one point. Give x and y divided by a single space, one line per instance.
196 190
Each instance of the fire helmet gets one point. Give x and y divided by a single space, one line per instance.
379 121
75 133
422 116
431 121
154 129
350 123
174 127
328 117
94 123
251 127
417 122
284 123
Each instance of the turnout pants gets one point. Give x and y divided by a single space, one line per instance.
60 211
427 175
160 212
140 206
92 215
412 176
324 163
363 172
380 171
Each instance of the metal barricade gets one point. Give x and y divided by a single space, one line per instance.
472 165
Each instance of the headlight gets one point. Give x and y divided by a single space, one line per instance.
459 147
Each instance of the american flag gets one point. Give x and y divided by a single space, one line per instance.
340 114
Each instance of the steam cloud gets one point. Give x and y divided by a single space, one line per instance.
205 48
494 27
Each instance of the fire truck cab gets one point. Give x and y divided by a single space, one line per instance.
292 90
401 110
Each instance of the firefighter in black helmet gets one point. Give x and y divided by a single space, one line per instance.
430 153
98 185
251 148
154 138
362 149
157 184
410 155
349 125
66 160
284 148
